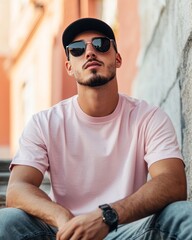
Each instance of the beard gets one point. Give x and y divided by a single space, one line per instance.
98 80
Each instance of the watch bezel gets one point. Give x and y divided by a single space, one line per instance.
110 216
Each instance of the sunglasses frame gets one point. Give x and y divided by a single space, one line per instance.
111 40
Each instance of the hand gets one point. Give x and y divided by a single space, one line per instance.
84 227
63 217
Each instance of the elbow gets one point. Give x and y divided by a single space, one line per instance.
177 191
11 197
181 194
184 193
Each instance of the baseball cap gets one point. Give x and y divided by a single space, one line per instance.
86 24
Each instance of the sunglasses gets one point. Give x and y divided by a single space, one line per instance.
100 44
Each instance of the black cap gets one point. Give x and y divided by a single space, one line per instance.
86 24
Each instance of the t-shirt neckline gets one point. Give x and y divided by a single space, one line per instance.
90 119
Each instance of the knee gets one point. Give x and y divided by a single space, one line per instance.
179 208
10 217
176 219
177 212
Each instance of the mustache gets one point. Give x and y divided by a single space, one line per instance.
91 60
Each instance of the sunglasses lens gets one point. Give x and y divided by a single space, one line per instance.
101 44
77 48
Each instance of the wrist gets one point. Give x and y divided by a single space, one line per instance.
110 216
62 216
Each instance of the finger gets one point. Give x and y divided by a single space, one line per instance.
78 235
65 234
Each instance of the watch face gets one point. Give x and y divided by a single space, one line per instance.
110 217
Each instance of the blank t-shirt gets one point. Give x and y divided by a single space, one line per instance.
96 160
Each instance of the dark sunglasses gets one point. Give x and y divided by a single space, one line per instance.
101 44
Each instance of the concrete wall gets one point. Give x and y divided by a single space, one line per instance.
165 66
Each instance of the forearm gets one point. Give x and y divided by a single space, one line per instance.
37 203
150 198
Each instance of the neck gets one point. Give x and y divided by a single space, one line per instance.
98 101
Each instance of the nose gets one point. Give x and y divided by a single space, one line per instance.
90 50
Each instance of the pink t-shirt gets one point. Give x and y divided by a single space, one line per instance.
96 160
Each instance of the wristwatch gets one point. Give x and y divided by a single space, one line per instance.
110 216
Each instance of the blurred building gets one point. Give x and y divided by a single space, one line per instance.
32 60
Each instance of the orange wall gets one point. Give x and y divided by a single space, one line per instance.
4 106
129 42
73 10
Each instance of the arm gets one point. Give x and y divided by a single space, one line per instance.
23 192
168 184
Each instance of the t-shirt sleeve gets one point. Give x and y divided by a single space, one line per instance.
32 148
160 139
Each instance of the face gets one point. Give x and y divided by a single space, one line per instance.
93 68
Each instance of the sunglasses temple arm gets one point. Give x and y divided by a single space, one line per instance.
67 53
114 45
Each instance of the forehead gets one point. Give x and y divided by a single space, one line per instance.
87 36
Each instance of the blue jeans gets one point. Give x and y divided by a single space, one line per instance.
172 223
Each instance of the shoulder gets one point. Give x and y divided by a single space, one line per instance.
136 103
50 118
142 113
138 106
55 112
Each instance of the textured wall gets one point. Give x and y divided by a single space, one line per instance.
186 98
165 66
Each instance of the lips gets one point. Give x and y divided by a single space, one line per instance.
92 63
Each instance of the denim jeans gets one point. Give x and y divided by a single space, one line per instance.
172 223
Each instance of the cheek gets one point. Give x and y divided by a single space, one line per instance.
75 69
77 74
111 68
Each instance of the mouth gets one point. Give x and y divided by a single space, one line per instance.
92 64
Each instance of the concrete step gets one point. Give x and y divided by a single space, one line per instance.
4 165
2 200
4 178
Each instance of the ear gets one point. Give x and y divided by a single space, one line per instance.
69 68
118 60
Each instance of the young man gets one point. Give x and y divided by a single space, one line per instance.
98 148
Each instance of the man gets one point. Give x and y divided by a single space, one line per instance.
98 148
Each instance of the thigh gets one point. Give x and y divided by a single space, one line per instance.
139 230
173 223
176 219
18 225
131 231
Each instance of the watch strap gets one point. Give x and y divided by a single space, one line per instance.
105 207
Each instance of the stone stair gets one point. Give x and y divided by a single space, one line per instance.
4 178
